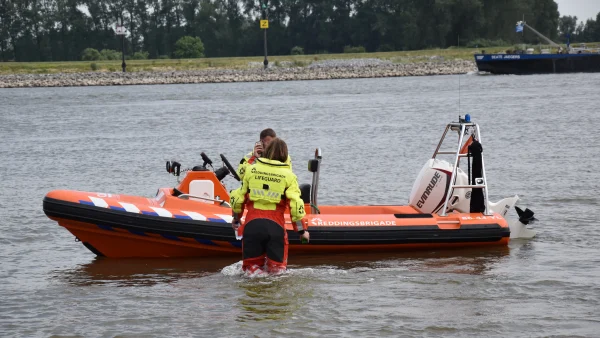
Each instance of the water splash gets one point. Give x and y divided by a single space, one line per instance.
234 269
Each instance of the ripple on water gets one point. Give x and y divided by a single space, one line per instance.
375 135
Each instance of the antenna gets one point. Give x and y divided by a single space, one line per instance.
458 46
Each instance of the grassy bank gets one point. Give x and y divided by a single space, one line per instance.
235 62
228 63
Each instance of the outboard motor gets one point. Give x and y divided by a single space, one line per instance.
429 191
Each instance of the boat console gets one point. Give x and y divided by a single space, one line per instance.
201 183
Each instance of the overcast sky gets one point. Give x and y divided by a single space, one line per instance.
582 9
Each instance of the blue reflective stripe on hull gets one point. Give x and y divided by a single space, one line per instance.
171 237
149 213
205 241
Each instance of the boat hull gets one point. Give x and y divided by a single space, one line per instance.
111 231
523 64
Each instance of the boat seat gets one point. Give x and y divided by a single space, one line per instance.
305 192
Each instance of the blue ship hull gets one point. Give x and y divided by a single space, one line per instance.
522 64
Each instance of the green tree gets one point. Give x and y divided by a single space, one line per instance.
90 54
544 18
139 56
7 18
59 30
567 25
189 47
595 34
109 54
297 50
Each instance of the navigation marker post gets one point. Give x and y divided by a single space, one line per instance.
264 24
120 30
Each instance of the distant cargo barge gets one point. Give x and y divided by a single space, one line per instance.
522 64
569 60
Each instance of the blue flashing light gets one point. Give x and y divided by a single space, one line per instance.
467 118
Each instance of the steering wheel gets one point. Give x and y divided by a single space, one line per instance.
231 170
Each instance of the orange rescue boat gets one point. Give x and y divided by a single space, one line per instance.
193 219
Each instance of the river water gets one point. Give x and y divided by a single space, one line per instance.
540 139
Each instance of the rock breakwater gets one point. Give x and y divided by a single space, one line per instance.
280 71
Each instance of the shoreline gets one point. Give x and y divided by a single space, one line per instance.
321 70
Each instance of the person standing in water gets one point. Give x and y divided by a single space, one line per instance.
268 187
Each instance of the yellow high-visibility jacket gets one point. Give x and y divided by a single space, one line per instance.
269 185
249 159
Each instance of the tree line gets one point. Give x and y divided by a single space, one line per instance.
60 30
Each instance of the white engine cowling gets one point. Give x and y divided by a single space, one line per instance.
429 190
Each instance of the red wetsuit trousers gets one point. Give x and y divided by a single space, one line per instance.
264 246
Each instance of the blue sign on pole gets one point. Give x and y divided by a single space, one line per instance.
519 28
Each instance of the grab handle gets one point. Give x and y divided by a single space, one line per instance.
221 202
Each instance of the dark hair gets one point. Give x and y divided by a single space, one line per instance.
267 132
277 150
